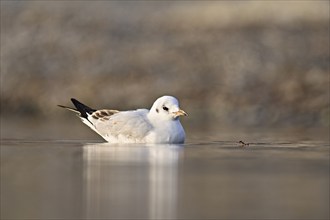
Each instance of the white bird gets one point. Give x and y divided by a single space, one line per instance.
160 124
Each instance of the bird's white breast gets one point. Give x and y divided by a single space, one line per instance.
170 132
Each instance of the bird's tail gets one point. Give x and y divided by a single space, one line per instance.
81 109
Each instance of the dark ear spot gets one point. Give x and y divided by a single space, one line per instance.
157 110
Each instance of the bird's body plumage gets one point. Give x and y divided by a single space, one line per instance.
160 124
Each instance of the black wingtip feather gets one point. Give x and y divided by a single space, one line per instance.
83 109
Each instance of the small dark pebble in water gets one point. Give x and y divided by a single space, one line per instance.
243 143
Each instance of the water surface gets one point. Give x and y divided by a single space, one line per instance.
215 179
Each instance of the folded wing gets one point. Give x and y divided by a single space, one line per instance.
125 126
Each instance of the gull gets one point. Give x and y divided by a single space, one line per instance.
159 125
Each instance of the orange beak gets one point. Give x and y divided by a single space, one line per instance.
180 113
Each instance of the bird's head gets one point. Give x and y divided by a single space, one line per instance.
167 108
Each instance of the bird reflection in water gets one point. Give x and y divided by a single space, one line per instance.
131 181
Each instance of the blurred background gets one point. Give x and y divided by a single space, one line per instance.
235 66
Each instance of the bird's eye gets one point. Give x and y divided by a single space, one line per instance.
165 108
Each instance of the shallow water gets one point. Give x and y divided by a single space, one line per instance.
215 179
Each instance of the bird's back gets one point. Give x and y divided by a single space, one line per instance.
124 127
